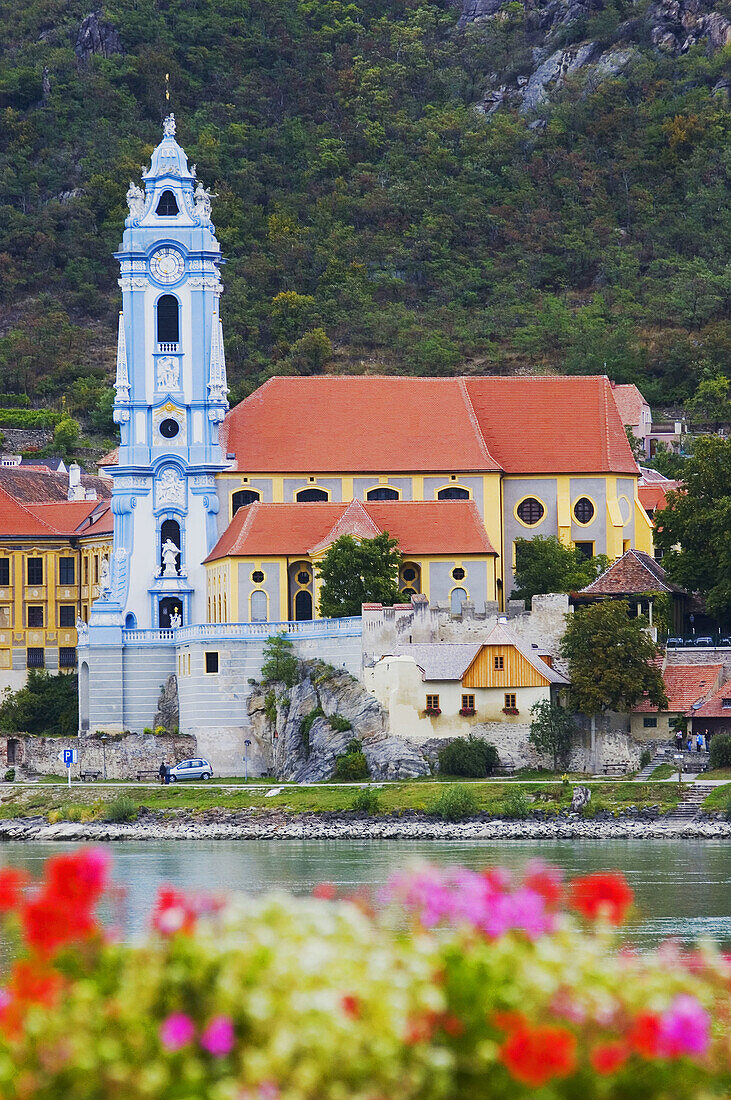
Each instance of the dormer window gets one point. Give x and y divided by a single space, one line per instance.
167 207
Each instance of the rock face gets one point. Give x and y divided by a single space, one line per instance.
581 797
168 712
556 30
97 36
303 754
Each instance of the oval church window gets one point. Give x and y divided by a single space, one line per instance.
530 511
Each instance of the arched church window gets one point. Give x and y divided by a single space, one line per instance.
167 207
258 606
453 492
168 319
243 497
309 495
383 492
170 534
302 606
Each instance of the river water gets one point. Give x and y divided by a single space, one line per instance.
682 888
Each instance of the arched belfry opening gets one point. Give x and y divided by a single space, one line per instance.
167 207
168 319
169 532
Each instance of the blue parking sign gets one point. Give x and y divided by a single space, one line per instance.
68 757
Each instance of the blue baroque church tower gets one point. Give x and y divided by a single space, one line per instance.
171 397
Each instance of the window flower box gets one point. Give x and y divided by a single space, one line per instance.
432 712
467 712
510 710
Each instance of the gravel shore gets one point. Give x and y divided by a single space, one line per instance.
246 825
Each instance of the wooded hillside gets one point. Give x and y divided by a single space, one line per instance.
390 198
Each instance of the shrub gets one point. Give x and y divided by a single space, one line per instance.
455 803
10 775
645 757
367 801
468 756
516 804
270 706
306 726
280 663
337 722
351 765
28 418
46 705
122 808
148 730
721 751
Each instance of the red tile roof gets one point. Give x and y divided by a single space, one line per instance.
38 484
336 424
635 572
685 685
18 520
653 496
630 404
421 527
714 708
52 520
551 424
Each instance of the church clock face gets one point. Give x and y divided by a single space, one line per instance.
166 265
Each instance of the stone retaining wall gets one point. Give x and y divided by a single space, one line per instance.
113 757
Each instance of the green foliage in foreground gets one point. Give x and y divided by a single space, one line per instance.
46 705
365 206
354 572
471 757
367 801
693 530
721 751
547 565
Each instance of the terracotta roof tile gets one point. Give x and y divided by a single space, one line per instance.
18 520
714 708
69 517
630 404
39 485
552 424
336 424
653 496
635 572
421 527
685 685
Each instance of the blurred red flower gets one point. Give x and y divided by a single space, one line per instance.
173 912
12 883
534 1055
607 1058
604 894
351 1005
644 1036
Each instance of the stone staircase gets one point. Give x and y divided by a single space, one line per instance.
693 796
663 755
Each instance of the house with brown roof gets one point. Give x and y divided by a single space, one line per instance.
688 688
640 580
714 715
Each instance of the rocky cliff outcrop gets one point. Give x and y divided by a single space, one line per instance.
568 37
296 722
96 35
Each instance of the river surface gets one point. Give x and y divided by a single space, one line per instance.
682 888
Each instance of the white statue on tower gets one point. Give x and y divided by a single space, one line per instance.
202 199
135 201
170 558
104 575
175 619
167 373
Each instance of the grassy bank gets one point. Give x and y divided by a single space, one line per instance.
500 799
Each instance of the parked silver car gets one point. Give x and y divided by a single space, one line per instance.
195 768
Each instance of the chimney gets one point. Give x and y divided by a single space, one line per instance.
76 489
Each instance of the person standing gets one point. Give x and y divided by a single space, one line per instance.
699 742
678 740
161 772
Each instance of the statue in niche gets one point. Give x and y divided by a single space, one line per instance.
169 488
81 628
170 558
104 575
135 201
175 619
203 198
168 371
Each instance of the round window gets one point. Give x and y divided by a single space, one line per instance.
303 577
530 511
584 510
169 428
257 576
409 574
458 573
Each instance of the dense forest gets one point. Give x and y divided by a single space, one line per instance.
385 204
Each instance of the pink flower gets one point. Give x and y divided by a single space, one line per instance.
176 1031
685 1028
218 1038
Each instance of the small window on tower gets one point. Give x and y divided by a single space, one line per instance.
167 206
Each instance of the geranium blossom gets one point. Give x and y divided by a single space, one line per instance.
218 1038
12 883
685 1028
176 1031
535 1055
603 895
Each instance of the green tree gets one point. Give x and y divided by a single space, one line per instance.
280 663
552 731
354 572
66 435
694 530
45 705
667 462
711 402
547 565
611 661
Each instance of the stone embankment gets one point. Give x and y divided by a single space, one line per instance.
275 825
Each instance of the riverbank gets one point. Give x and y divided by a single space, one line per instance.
277 825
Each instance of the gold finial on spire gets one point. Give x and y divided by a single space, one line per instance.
167 87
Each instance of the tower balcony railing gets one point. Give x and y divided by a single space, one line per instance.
307 628
174 347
